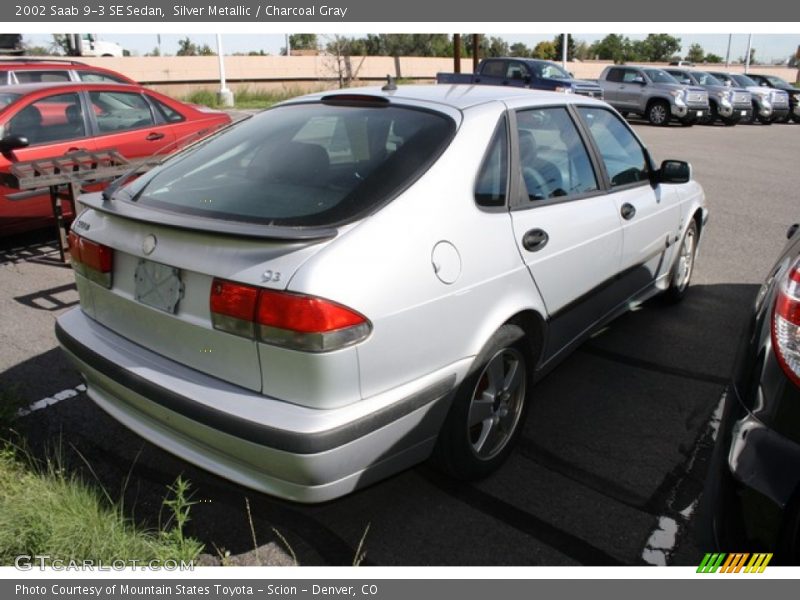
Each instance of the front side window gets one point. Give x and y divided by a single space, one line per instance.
660 76
170 114
623 155
629 76
120 111
52 119
553 159
301 165
516 70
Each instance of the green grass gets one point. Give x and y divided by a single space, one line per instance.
244 98
46 511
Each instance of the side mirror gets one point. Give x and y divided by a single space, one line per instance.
792 230
675 171
13 142
571 74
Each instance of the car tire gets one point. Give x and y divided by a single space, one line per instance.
658 113
730 121
488 409
683 266
795 118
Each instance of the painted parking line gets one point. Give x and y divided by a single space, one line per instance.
51 400
664 538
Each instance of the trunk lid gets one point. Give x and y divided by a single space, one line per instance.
156 266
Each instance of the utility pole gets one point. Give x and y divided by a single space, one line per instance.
288 45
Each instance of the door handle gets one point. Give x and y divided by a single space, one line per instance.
628 211
74 149
151 137
534 240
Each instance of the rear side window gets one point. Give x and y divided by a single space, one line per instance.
615 75
300 165
492 182
40 76
94 77
120 111
494 68
622 154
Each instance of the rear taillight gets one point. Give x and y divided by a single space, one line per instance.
786 323
92 260
295 321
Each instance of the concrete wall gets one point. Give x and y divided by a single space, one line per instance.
180 75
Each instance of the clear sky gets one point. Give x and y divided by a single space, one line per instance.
768 47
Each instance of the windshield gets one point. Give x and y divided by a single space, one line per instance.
659 76
7 98
777 81
706 78
743 80
301 165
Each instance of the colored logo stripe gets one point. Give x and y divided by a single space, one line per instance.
734 563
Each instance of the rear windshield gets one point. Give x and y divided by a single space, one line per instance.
302 165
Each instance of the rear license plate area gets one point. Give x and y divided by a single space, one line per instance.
158 286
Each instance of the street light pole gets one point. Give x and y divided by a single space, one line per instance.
747 58
728 53
225 96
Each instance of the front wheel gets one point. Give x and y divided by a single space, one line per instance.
488 410
658 113
684 265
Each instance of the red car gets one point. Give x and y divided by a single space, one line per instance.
42 120
15 71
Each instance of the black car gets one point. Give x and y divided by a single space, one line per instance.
752 497
778 83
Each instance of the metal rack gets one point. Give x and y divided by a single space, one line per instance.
65 177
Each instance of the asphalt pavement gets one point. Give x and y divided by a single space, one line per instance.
612 461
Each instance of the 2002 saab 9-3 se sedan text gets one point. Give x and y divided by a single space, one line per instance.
349 283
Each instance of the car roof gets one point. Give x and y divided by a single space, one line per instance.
44 63
29 88
458 96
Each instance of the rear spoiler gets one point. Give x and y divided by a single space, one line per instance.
147 214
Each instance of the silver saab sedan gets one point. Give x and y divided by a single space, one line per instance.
352 282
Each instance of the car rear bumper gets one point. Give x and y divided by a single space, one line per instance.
286 450
761 458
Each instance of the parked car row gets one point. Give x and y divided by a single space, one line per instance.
691 96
